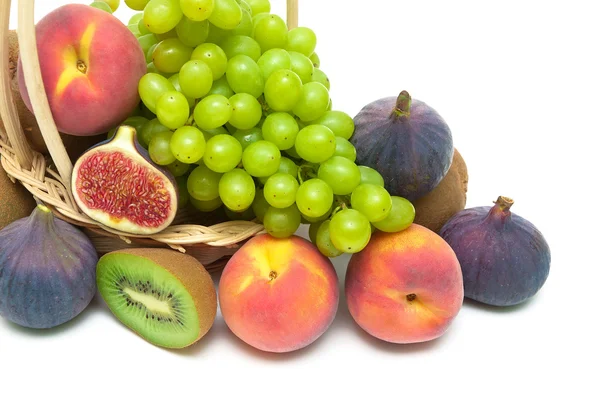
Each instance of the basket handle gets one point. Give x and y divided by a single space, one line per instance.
292 14
37 93
8 109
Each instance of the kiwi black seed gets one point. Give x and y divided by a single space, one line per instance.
166 297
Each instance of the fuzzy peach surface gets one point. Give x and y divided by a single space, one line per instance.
278 295
91 65
405 287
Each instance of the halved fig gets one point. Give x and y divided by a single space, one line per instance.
117 184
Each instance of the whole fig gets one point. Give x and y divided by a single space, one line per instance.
47 271
504 258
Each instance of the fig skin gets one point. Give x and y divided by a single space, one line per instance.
406 141
448 198
47 271
504 258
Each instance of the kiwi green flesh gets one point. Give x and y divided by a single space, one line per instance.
148 299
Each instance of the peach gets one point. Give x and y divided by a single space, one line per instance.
91 65
405 287
278 295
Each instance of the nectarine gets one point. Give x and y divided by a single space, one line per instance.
405 287
278 295
91 64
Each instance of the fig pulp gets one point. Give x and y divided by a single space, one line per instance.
117 184
504 258
406 141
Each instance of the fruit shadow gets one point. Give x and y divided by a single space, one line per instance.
94 307
475 305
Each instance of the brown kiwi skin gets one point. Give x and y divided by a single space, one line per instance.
192 275
15 201
446 199
75 145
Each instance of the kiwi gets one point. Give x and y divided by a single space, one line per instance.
166 297
446 199
16 201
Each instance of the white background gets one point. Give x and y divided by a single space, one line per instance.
518 83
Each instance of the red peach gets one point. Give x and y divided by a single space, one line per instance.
278 295
91 65
405 287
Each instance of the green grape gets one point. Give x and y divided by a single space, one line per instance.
230 128
400 217
101 5
246 26
245 111
287 166
188 144
282 222
172 109
174 79
314 198
312 231
195 78
323 241
151 87
339 122
213 56
369 175
237 190
293 153
212 111
341 174
244 6
261 158
247 137
160 16
183 195
246 215
159 148
315 143
349 231
221 86
259 6
302 66
170 55
344 148
372 201
206 205
273 60
302 40
314 57
149 54
143 29
313 102
257 18
149 129
244 76
172 34
135 30
238 44
223 153
280 128
197 10
260 205
192 33
203 183
321 77
137 122
135 18
147 41
216 35
280 190
314 220
283 89
226 14
178 169
137 5
271 32
151 69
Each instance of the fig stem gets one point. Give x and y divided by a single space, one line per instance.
504 203
403 102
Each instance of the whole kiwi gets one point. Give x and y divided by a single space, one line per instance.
16 202
75 145
446 199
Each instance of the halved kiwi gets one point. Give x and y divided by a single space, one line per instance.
166 297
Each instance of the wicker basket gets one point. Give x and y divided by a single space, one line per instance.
48 179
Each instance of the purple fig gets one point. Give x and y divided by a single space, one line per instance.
504 258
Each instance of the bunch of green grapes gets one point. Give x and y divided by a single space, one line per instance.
236 107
